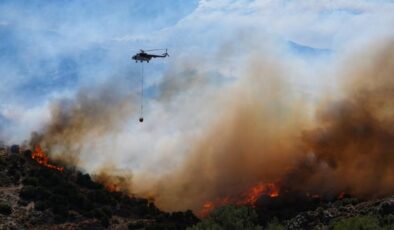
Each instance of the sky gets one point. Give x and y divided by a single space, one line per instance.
50 50
64 57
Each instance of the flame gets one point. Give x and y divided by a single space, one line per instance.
248 198
112 187
269 189
209 206
40 157
341 195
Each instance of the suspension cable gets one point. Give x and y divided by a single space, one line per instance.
142 93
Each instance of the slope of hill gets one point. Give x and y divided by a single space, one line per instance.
33 196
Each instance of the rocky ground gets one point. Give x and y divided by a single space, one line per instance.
323 217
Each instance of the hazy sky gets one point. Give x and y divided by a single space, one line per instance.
50 49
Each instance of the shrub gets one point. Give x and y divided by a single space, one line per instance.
13 160
357 223
107 211
30 181
28 193
104 221
82 203
5 208
85 181
27 153
98 213
160 226
275 225
136 225
388 221
61 211
59 204
15 149
42 205
101 196
230 217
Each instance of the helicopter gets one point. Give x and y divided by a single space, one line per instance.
143 56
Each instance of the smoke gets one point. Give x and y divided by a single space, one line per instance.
352 143
250 138
79 122
205 138
264 133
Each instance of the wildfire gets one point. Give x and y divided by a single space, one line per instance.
248 198
112 187
269 189
209 206
40 157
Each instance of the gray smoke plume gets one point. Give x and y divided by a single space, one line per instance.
209 138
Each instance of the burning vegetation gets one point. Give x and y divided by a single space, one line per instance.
40 157
248 198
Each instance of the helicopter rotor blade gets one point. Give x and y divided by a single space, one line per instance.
154 50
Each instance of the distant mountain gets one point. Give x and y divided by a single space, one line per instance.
307 50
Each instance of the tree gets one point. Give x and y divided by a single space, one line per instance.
15 149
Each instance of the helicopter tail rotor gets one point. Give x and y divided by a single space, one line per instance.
166 54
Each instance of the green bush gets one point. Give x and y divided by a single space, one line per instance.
357 223
42 205
347 201
275 225
104 222
229 217
136 225
28 193
160 226
41 193
5 208
84 180
30 181
387 221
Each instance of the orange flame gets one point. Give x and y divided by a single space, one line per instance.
341 195
207 208
269 189
40 157
112 187
248 198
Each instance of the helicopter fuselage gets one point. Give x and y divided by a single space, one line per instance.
142 56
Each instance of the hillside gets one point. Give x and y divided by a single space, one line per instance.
339 214
38 194
34 196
